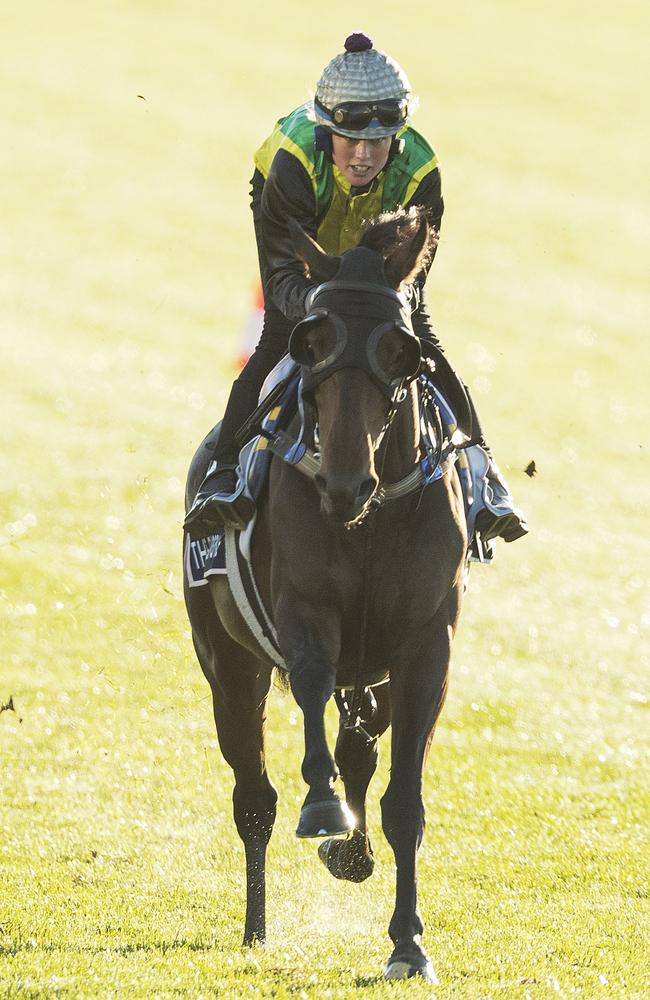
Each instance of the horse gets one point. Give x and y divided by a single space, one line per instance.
362 577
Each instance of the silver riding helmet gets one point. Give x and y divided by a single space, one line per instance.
363 93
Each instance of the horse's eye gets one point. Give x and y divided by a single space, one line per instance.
395 354
396 362
310 353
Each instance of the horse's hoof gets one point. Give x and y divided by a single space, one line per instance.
325 819
346 860
408 969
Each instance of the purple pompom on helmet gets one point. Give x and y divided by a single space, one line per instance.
357 42
362 74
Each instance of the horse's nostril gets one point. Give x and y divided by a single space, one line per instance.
366 489
341 492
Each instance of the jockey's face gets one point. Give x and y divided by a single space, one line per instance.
359 160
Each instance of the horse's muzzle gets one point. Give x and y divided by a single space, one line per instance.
344 498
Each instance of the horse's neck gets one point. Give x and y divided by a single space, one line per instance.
402 446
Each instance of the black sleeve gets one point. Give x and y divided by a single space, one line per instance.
429 194
287 193
421 319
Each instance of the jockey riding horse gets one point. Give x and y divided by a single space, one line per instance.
331 165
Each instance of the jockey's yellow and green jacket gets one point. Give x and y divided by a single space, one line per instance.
295 177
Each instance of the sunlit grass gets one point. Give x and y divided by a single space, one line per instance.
126 266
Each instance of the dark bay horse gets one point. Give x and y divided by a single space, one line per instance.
362 576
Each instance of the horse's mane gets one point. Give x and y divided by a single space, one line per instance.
391 230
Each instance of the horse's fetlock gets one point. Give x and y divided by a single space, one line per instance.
252 825
254 814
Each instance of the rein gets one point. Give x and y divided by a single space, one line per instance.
353 720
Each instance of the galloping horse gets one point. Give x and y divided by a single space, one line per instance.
361 571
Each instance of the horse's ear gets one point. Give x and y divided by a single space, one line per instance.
320 266
411 255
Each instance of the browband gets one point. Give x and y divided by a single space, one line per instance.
359 286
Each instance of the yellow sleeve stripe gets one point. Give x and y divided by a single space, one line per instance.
414 182
278 140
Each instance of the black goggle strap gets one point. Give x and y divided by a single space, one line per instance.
349 354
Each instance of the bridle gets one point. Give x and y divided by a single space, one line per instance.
358 301
346 305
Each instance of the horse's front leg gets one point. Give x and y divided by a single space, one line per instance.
418 688
310 643
356 756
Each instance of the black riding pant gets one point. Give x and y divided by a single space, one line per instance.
272 346
245 392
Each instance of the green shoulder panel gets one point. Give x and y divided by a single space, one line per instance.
295 134
405 171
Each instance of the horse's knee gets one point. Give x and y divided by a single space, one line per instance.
254 810
312 688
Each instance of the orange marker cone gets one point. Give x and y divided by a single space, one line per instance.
252 327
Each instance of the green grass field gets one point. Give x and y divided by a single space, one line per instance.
126 267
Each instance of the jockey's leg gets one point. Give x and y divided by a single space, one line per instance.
220 498
499 518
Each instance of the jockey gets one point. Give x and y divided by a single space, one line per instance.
331 165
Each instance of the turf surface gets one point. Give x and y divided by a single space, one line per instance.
126 266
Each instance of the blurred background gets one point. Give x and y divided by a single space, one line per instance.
127 272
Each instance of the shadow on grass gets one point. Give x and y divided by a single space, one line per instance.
363 982
120 949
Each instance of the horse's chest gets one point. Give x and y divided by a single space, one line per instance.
376 617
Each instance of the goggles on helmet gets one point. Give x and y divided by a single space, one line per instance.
357 115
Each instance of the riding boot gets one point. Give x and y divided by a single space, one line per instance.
499 517
220 502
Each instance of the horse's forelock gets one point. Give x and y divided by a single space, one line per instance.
389 231
362 264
